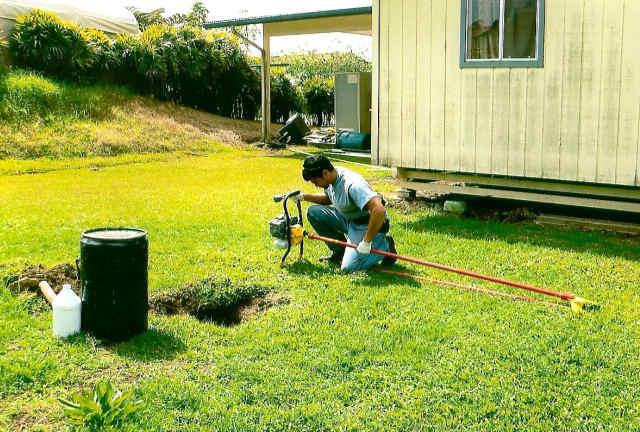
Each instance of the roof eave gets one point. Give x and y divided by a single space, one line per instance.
290 17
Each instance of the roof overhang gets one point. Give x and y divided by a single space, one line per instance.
353 20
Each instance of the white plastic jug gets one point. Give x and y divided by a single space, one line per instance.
66 312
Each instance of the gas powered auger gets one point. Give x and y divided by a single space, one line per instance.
289 231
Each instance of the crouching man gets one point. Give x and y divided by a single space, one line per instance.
348 207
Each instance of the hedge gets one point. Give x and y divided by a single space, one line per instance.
186 65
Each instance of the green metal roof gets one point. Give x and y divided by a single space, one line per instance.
290 17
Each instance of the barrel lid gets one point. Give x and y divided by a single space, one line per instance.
114 233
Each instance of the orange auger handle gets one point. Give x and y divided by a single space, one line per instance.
564 296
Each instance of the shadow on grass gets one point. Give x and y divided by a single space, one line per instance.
604 244
151 345
310 268
377 278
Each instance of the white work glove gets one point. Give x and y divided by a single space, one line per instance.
364 247
299 197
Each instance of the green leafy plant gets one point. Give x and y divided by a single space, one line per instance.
196 17
318 94
4 45
42 41
104 60
103 408
303 66
285 98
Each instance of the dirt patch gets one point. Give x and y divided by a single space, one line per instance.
216 300
28 279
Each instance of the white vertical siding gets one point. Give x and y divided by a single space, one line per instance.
576 119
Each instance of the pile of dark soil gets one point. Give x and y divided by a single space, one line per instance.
28 279
217 300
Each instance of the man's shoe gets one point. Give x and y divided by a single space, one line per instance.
335 258
387 261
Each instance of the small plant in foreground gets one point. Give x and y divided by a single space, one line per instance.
103 408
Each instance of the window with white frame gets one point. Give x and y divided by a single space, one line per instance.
502 33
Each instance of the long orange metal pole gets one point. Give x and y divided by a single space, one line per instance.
564 296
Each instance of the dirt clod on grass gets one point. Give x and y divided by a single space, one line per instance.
28 279
217 300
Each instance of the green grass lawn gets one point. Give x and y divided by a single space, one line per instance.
359 352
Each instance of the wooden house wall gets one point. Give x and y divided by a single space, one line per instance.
575 119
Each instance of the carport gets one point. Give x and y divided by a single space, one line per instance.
352 20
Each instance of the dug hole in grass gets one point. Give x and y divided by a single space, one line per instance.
217 300
213 299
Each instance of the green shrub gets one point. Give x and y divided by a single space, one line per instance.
124 56
237 90
319 98
104 408
104 61
4 61
285 98
185 64
42 41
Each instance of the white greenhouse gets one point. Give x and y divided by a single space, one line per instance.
108 17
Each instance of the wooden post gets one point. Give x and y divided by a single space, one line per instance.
266 86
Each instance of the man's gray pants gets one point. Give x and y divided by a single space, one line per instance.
329 222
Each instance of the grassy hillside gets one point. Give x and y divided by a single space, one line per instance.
41 117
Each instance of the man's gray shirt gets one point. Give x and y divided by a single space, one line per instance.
350 194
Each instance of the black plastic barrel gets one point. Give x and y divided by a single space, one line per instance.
113 272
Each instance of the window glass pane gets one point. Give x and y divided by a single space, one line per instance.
520 29
483 29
